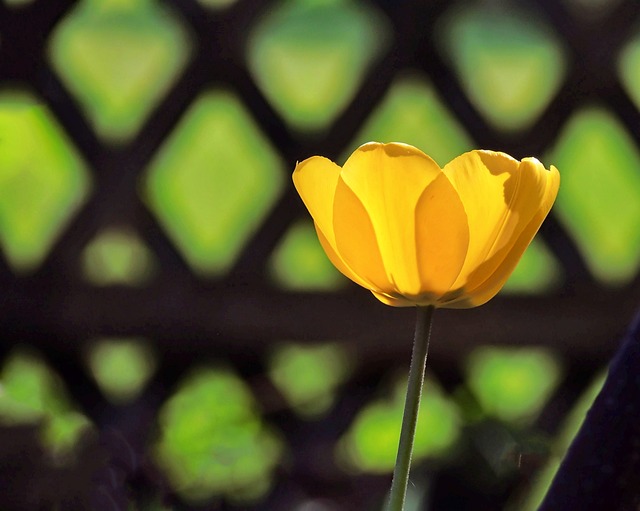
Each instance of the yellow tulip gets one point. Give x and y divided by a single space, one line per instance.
412 233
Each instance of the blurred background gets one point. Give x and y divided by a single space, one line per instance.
172 336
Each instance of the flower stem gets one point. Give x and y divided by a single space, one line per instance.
412 404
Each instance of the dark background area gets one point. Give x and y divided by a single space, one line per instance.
191 314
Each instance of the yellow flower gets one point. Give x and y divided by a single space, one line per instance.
412 233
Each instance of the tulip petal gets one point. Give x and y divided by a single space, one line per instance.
484 285
338 262
490 287
396 301
481 189
388 179
316 179
500 196
395 223
442 236
355 240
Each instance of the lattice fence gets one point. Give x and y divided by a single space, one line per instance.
147 213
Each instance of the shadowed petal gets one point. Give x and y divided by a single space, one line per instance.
481 189
339 263
356 240
396 301
316 180
490 287
388 180
484 285
500 196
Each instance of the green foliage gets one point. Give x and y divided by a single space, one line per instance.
30 393
531 500
117 256
371 443
213 441
121 367
512 384
299 262
308 376
537 271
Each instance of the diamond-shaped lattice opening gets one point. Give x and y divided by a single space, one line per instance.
308 376
119 59
213 181
537 272
412 113
309 57
121 367
42 180
117 256
299 262
32 393
500 56
512 384
599 199
371 443
213 441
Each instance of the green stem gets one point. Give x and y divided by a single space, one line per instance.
411 407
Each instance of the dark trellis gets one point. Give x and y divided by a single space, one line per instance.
239 316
